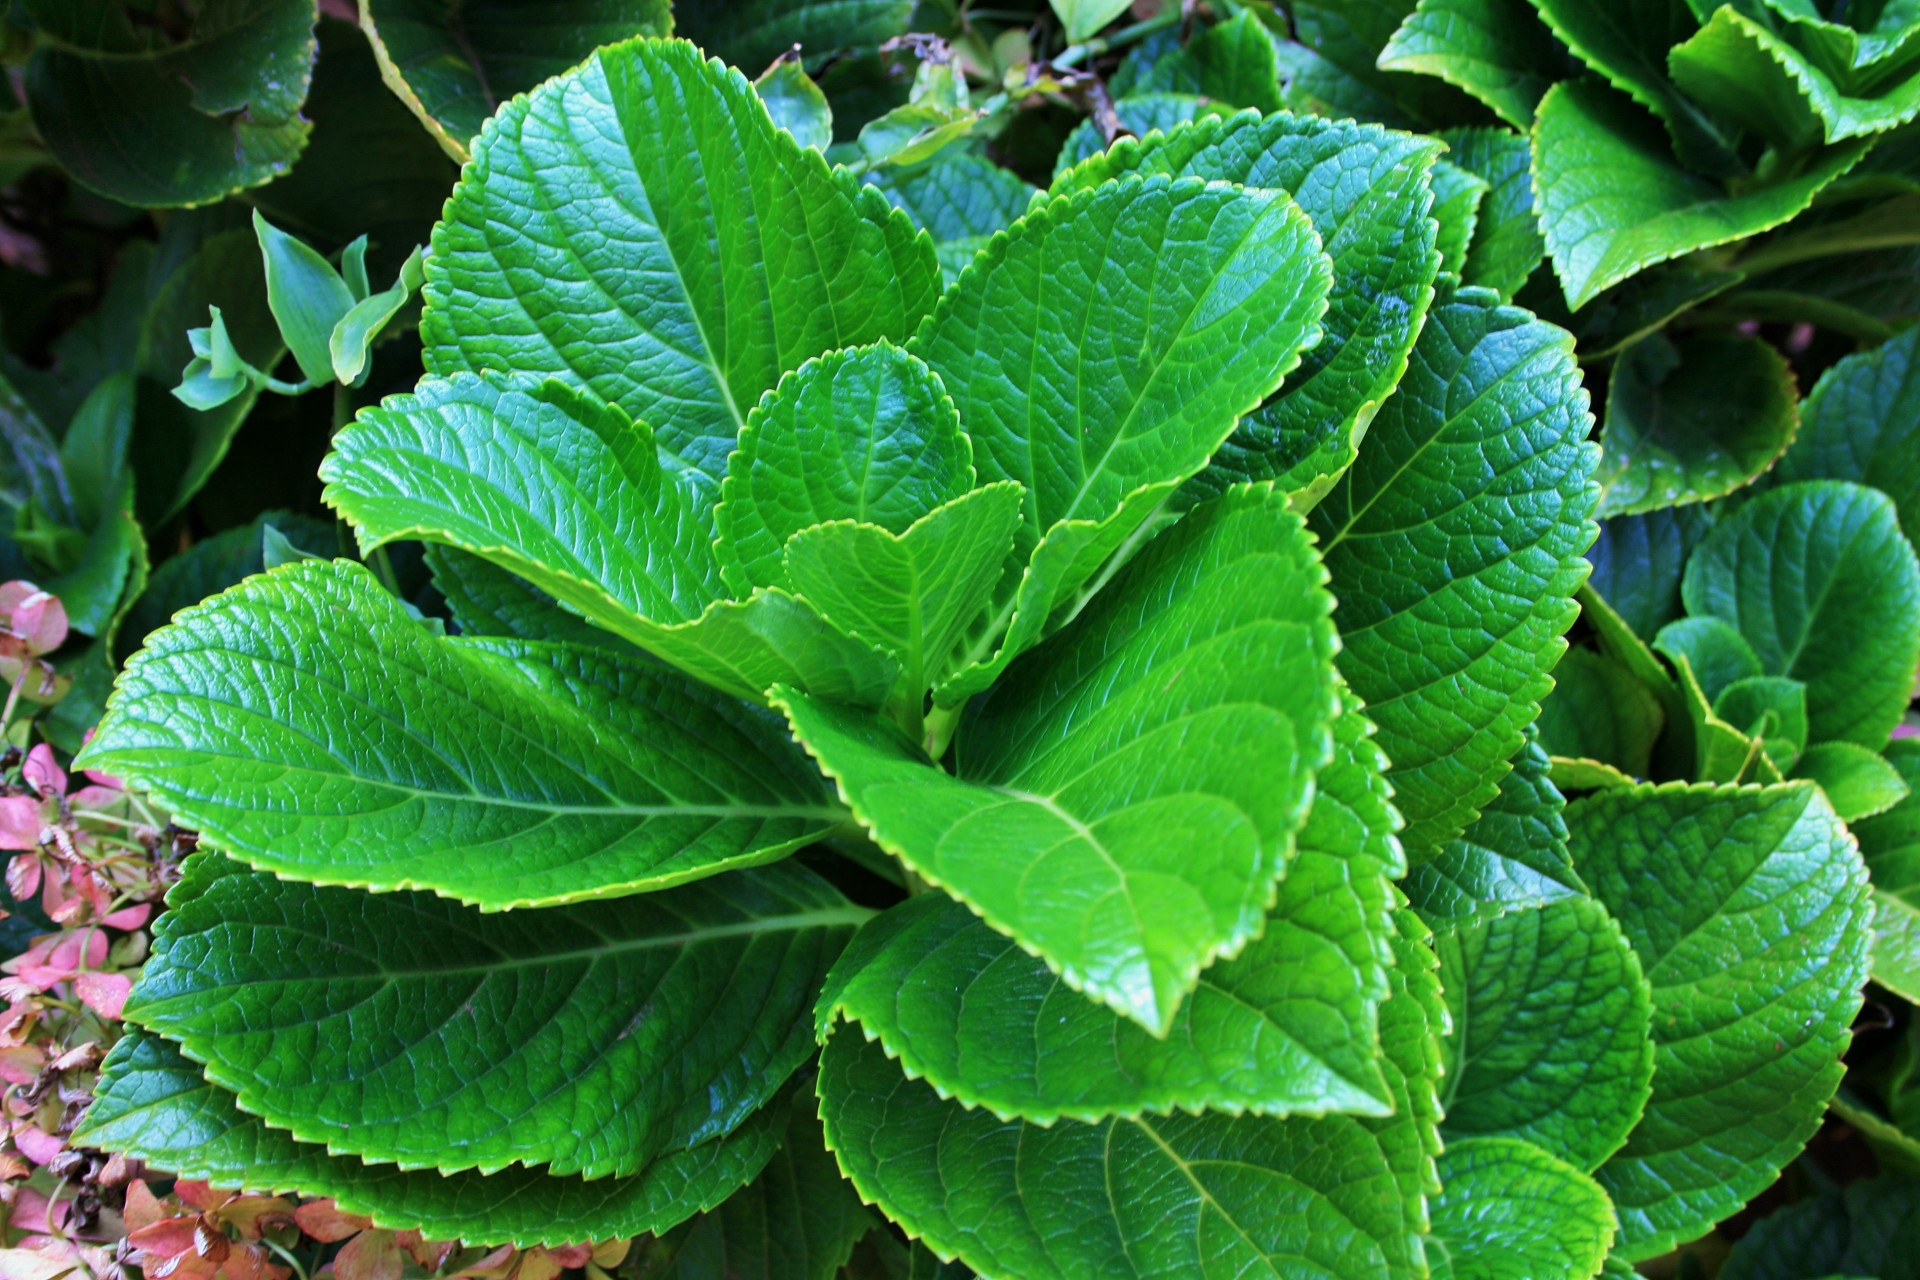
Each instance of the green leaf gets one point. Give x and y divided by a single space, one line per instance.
453 64
796 103
1692 419
1123 800
1614 202
1513 855
1499 52
1718 654
93 456
752 33
1507 245
1231 62
1285 1027
640 199
152 1103
1228 1196
1645 304
1818 579
1600 711
569 493
1890 843
400 1027
110 571
1772 708
867 435
147 119
1871 1227
1348 38
959 198
306 723
1748 909
1477 477
486 600
1510 1211
1638 562
350 346
1098 354
914 593
799 1220
212 565
1456 209
1082 18
1365 189
1862 423
1552 1031
1761 80
307 295
1628 42
1857 782
1142 116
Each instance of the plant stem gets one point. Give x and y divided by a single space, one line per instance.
1074 55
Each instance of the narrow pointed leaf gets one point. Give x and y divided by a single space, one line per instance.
867 435
1286 1027
1818 579
1478 469
641 197
1748 909
1457 195
153 1104
371 752
1183 1197
1124 799
1552 1031
399 1027
1102 350
1366 190
1510 1211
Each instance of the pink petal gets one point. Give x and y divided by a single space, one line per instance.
34 616
37 1145
96 796
20 1064
325 1222
43 773
143 1207
23 876
128 918
20 822
167 1238
104 993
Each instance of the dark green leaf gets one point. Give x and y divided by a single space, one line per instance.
1818 579
589 1039
1638 562
640 198
1718 654
153 1103
1106 810
1600 712
307 723
1891 845
486 600
1870 1228
1862 423
453 62
1748 910
1498 51
1231 62
1692 419
212 565
1477 476
1506 240
752 33
145 119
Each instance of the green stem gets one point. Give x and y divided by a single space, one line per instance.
1074 55
383 569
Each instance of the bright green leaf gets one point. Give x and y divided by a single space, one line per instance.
1718 654
1507 245
153 1104
1082 18
307 295
1476 477
1510 1211
1499 52
1748 910
399 1027
1818 579
371 752
1862 423
1858 783
1123 800
1552 1031
1774 709
1890 843
796 103
1456 209
1099 353
641 198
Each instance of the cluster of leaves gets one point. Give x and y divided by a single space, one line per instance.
1044 681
